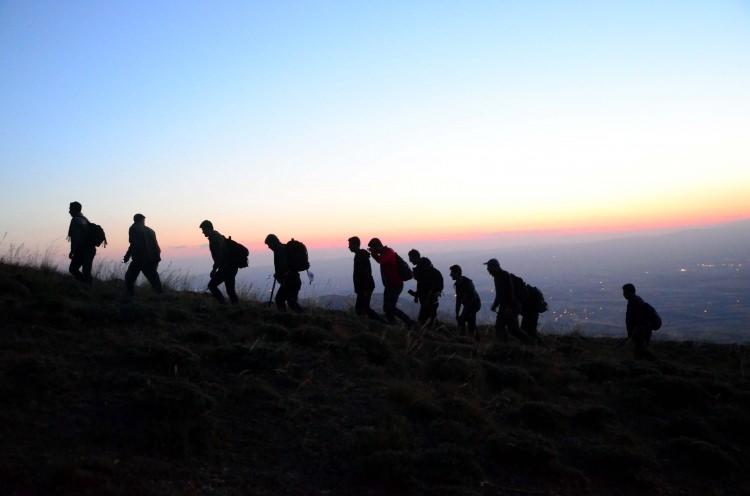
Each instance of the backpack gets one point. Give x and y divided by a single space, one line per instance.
519 288
438 279
95 235
236 253
653 316
403 268
536 299
296 253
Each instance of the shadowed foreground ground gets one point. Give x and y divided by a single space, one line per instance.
176 395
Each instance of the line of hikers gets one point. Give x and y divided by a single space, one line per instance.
514 298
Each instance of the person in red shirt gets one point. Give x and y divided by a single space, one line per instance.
393 284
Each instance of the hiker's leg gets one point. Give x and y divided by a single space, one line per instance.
230 276
501 333
511 321
213 286
130 277
293 285
364 299
390 296
359 305
88 263
75 267
152 275
281 296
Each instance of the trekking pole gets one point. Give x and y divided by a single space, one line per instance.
273 288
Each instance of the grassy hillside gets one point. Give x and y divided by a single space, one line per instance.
178 395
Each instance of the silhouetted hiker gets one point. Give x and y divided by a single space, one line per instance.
285 274
364 284
532 305
640 321
393 271
82 249
146 255
506 303
468 302
429 287
224 269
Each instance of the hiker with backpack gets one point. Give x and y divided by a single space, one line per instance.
146 255
468 302
364 284
507 303
84 237
393 271
227 256
641 320
533 304
288 261
429 288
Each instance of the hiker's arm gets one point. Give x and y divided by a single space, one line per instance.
127 254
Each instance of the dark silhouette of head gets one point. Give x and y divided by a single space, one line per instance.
414 256
354 244
375 245
207 227
272 241
493 266
455 272
75 208
628 291
139 218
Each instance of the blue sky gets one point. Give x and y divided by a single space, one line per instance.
421 117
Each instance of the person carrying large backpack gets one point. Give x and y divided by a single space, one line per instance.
146 255
393 271
640 321
82 244
288 261
429 288
506 303
225 266
468 302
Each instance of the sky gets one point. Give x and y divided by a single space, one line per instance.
448 121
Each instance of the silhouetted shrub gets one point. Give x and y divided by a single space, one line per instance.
601 371
273 332
171 416
469 413
176 315
391 468
377 350
165 359
674 392
307 335
200 336
396 435
448 464
593 416
501 377
449 431
734 422
617 460
508 354
700 455
451 368
540 416
14 288
239 357
522 448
